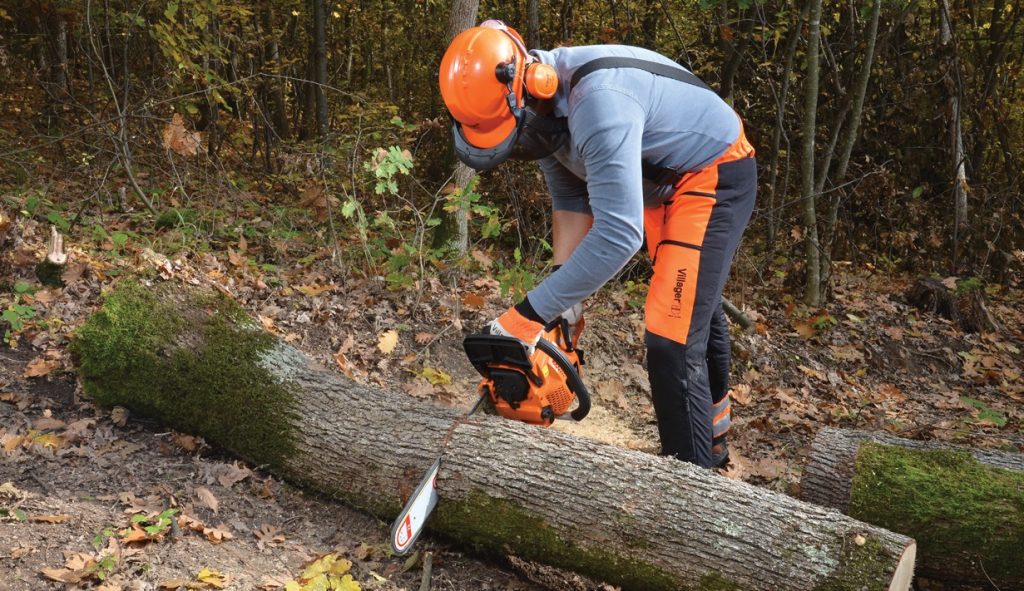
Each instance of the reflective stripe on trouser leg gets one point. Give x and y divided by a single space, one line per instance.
719 356
722 420
696 239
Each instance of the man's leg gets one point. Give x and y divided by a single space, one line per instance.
702 227
719 355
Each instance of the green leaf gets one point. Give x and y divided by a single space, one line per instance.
993 416
58 220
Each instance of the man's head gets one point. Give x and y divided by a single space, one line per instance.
486 77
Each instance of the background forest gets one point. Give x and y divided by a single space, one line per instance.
295 154
891 133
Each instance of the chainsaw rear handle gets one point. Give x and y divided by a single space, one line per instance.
575 383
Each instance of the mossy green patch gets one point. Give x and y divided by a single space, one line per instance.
175 217
963 514
194 366
496 526
862 567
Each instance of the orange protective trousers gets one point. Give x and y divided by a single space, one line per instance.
692 238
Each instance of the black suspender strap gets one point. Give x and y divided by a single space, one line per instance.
659 69
660 175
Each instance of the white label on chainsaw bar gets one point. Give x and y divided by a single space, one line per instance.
412 518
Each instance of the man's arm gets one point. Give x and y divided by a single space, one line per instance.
568 229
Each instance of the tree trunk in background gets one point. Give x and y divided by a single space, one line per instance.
735 46
780 123
193 360
859 92
964 506
532 24
812 282
650 24
463 16
275 87
952 84
320 65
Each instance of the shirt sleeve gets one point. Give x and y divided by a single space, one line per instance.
607 130
568 191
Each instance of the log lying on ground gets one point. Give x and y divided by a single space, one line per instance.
965 507
194 360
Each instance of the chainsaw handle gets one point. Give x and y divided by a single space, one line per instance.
573 378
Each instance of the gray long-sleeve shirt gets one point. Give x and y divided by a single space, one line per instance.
617 119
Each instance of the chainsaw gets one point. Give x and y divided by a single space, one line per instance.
535 388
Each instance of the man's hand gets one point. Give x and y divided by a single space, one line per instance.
514 324
574 316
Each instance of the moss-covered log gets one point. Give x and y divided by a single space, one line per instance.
965 507
193 360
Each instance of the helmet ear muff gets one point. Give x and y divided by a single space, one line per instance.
541 80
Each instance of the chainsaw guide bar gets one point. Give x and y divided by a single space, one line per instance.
534 387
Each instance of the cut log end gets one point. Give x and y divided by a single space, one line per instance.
904 575
964 507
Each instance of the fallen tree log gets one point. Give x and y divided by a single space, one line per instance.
195 361
965 507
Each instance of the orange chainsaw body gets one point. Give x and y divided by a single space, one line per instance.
534 388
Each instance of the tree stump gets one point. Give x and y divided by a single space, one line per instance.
964 305
965 507
198 363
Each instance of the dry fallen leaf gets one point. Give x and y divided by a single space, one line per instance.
179 140
313 289
474 301
40 367
804 329
344 364
741 394
387 342
423 338
188 443
119 416
212 578
207 498
229 474
50 518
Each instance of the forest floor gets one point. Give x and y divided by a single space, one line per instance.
97 498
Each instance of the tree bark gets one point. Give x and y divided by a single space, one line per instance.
951 82
780 122
462 17
532 23
964 506
320 65
834 201
194 361
812 282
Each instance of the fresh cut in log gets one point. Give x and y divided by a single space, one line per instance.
965 507
194 360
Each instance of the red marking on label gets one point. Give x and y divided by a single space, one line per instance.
404 533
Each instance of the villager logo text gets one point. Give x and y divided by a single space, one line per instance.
677 294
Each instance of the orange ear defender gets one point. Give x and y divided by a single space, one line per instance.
541 80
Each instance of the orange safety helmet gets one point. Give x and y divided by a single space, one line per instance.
486 74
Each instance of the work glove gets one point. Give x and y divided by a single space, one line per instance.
513 324
574 316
